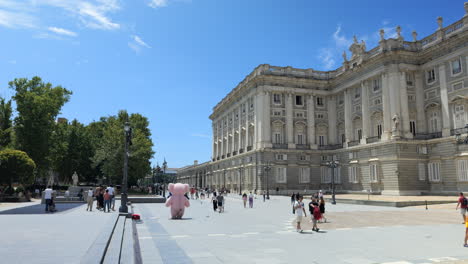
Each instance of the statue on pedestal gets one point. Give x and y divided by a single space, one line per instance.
75 179
396 122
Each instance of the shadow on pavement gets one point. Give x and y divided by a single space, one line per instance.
40 209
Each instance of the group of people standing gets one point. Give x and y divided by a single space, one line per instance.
250 198
105 198
316 210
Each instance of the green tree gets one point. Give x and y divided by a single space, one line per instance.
5 123
16 166
38 105
109 152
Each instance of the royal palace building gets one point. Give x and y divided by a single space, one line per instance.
394 117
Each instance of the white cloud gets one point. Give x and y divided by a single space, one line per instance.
14 19
137 44
158 3
62 31
326 55
340 40
93 14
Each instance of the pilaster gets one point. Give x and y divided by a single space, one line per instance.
311 122
444 102
405 121
420 113
365 111
331 103
348 102
386 110
267 122
289 121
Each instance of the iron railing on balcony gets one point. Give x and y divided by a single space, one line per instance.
228 155
428 135
353 143
457 131
234 153
280 146
241 150
330 147
373 139
302 146
249 148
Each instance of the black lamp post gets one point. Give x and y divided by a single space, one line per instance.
124 196
240 180
267 170
333 164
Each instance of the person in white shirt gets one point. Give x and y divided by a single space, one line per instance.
48 197
299 208
90 199
112 194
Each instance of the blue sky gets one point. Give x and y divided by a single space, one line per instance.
173 60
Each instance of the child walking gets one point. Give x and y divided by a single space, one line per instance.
299 208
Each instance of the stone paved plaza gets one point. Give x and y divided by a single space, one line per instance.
265 234
357 234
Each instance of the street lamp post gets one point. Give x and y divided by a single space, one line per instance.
124 196
333 164
240 180
267 170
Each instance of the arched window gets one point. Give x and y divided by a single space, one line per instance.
300 133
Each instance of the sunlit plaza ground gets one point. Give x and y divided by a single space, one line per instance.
264 234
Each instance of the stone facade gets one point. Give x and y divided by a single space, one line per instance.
393 116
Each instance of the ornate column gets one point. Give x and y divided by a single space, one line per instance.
223 128
348 112
289 122
386 115
331 103
247 123
239 123
259 122
444 102
267 121
395 103
405 121
365 111
311 121
420 112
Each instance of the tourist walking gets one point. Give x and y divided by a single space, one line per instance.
244 199
112 194
220 200
214 201
251 199
107 201
90 199
263 192
300 211
463 204
322 209
48 197
315 215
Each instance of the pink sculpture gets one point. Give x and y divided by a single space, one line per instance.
177 201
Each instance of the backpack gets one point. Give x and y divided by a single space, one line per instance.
464 201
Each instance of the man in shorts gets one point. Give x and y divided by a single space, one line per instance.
300 211
463 203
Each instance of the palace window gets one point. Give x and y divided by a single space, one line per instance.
430 75
304 175
433 169
281 175
281 157
434 121
459 116
325 173
319 116
277 113
373 173
299 100
276 98
376 85
409 79
300 115
357 92
302 158
322 140
319 101
456 66
300 139
462 168
412 126
422 149
353 174
343 138
377 102
422 171
359 134
457 86
337 175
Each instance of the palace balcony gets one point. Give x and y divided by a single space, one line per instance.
330 147
302 146
280 146
428 135
353 143
372 139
